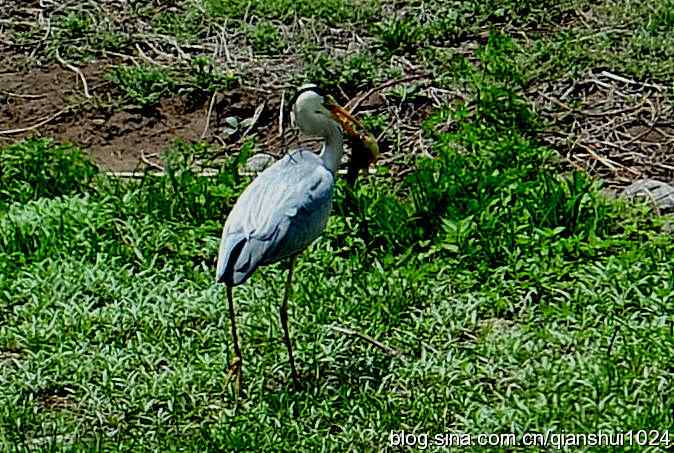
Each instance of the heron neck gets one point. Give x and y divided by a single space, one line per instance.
333 148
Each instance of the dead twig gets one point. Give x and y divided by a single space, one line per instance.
37 125
144 56
280 113
353 104
606 161
138 174
387 349
590 112
106 53
208 115
149 163
618 78
23 96
256 116
76 71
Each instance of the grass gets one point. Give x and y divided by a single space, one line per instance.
145 86
556 42
595 34
336 11
521 300
265 38
520 297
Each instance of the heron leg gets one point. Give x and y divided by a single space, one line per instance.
236 366
284 320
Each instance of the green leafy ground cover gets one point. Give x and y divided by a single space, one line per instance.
519 297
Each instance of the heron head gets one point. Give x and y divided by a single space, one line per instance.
314 114
309 113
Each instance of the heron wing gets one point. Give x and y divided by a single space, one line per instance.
281 212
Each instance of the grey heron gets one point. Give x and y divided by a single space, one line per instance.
287 206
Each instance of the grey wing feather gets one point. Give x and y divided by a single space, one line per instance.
280 213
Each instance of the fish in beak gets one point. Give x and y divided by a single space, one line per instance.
364 147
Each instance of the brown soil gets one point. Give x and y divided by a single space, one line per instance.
117 137
617 130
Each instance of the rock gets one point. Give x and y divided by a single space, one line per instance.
659 193
231 126
255 164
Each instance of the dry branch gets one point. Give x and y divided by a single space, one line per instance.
76 71
35 126
353 104
208 115
612 124
387 349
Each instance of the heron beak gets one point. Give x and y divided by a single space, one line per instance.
354 129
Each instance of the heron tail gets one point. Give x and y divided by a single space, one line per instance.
238 258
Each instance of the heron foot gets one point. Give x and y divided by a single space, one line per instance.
297 384
236 370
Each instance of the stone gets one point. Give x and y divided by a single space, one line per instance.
258 162
659 193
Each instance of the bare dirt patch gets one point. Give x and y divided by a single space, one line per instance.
116 138
50 102
618 129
